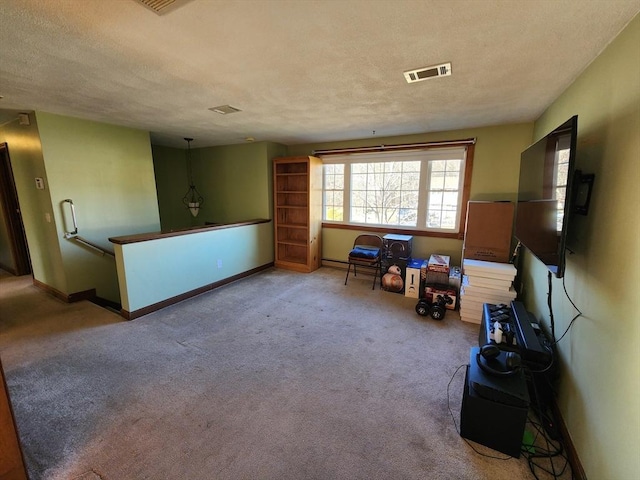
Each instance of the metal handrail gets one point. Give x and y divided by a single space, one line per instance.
73 217
74 234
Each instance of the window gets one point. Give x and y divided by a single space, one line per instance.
419 190
560 176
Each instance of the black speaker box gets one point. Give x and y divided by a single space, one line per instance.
493 420
397 247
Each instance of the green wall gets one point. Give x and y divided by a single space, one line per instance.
495 177
107 171
189 262
234 180
237 181
27 164
172 183
600 357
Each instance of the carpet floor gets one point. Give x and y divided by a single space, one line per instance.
277 376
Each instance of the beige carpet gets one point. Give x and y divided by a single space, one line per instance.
277 376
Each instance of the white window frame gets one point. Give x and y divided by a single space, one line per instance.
424 156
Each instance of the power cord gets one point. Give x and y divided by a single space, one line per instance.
554 448
534 453
456 425
579 314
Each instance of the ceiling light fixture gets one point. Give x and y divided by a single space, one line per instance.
225 109
192 199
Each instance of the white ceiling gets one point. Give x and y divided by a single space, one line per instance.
301 71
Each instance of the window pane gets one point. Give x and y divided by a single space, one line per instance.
357 214
333 192
444 194
358 182
411 181
329 182
437 181
435 201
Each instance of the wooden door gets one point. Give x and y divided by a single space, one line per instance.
13 217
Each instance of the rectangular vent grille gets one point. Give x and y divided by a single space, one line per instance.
225 109
420 74
162 6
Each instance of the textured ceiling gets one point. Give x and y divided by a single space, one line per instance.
300 71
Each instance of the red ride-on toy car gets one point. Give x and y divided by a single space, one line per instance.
437 309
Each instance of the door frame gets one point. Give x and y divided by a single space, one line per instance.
13 216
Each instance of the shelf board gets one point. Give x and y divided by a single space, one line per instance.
299 207
299 243
301 261
291 174
292 225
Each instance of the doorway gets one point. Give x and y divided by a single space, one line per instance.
12 217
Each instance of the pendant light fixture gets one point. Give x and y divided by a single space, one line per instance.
192 199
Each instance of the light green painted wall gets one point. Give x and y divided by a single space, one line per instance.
189 262
42 239
172 183
495 177
235 181
600 357
107 171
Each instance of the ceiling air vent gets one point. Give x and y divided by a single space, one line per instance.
162 6
225 109
420 74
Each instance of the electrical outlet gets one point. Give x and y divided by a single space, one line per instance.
219 263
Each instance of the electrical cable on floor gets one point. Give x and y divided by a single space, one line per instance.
554 448
456 425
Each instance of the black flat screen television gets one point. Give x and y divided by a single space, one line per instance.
543 211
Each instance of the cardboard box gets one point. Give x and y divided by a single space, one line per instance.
436 270
431 293
397 246
488 231
413 278
439 263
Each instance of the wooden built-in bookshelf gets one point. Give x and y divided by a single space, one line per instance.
297 189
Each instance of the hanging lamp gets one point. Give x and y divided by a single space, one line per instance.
192 199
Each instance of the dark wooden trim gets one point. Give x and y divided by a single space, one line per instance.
466 190
192 293
105 303
84 295
572 453
395 148
466 193
144 237
70 298
385 230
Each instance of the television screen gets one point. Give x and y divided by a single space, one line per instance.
542 214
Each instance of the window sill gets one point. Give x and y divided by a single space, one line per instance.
401 231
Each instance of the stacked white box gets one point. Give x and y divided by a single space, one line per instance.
484 282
